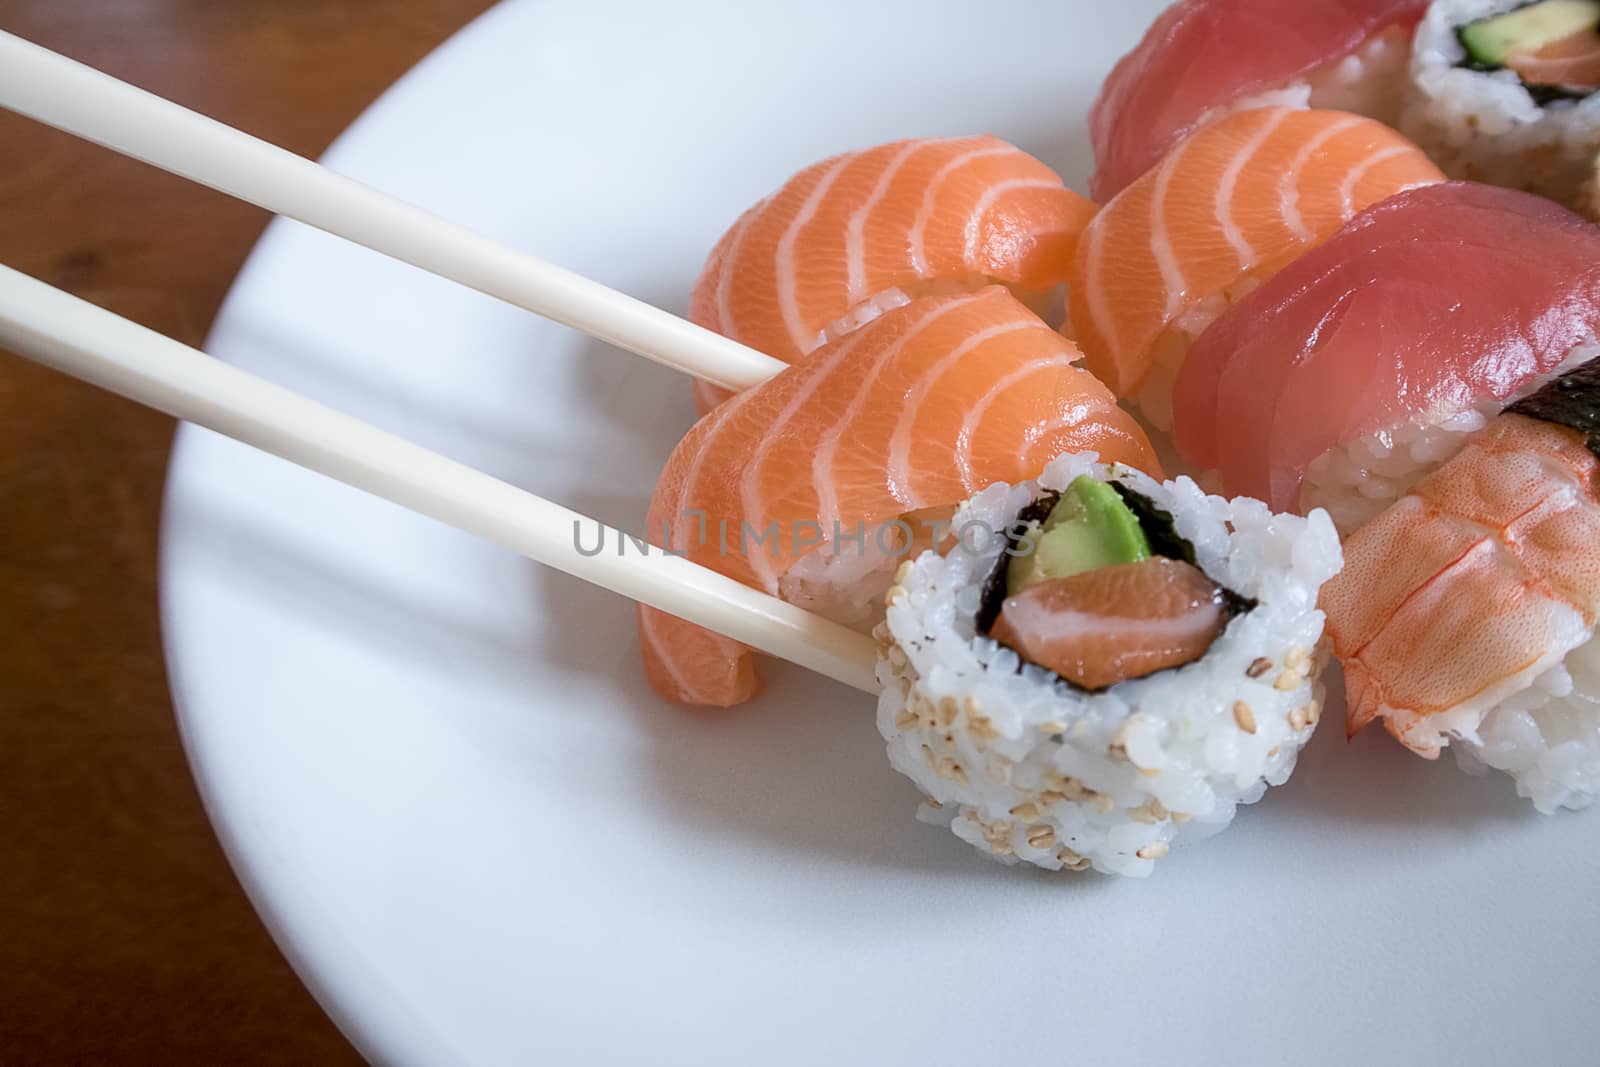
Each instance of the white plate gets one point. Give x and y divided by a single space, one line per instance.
443 781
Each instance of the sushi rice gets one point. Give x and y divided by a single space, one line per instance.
1029 769
1485 125
1370 81
1358 479
1546 736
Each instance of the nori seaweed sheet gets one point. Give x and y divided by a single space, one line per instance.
1159 529
994 587
1572 400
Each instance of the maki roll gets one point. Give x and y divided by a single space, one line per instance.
1508 92
1104 665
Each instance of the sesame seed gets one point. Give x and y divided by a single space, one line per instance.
1052 727
1244 717
1298 720
905 719
932 803
1288 680
1153 851
1296 658
902 572
1181 817
1272 753
998 837
1042 837
895 593
1258 667
1027 811
1051 796
927 756
1313 712
948 710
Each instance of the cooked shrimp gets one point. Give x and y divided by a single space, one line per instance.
1471 588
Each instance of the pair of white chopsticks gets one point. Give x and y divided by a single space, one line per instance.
87 342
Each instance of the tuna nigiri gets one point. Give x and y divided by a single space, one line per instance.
854 235
1225 209
858 446
1202 59
1375 356
1465 614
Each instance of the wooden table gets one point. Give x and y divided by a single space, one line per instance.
123 935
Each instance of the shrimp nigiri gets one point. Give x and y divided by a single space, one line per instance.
1466 612
1226 209
855 235
815 484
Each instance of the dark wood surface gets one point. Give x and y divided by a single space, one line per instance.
123 935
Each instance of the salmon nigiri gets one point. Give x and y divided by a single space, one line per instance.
846 239
815 484
1223 211
1202 59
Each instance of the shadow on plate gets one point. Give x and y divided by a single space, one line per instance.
1373 780
800 769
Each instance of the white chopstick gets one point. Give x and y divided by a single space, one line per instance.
63 93
61 331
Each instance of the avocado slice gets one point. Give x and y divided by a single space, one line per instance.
1491 41
1089 527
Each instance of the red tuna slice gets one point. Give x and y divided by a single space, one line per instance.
1203 55
1422 305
